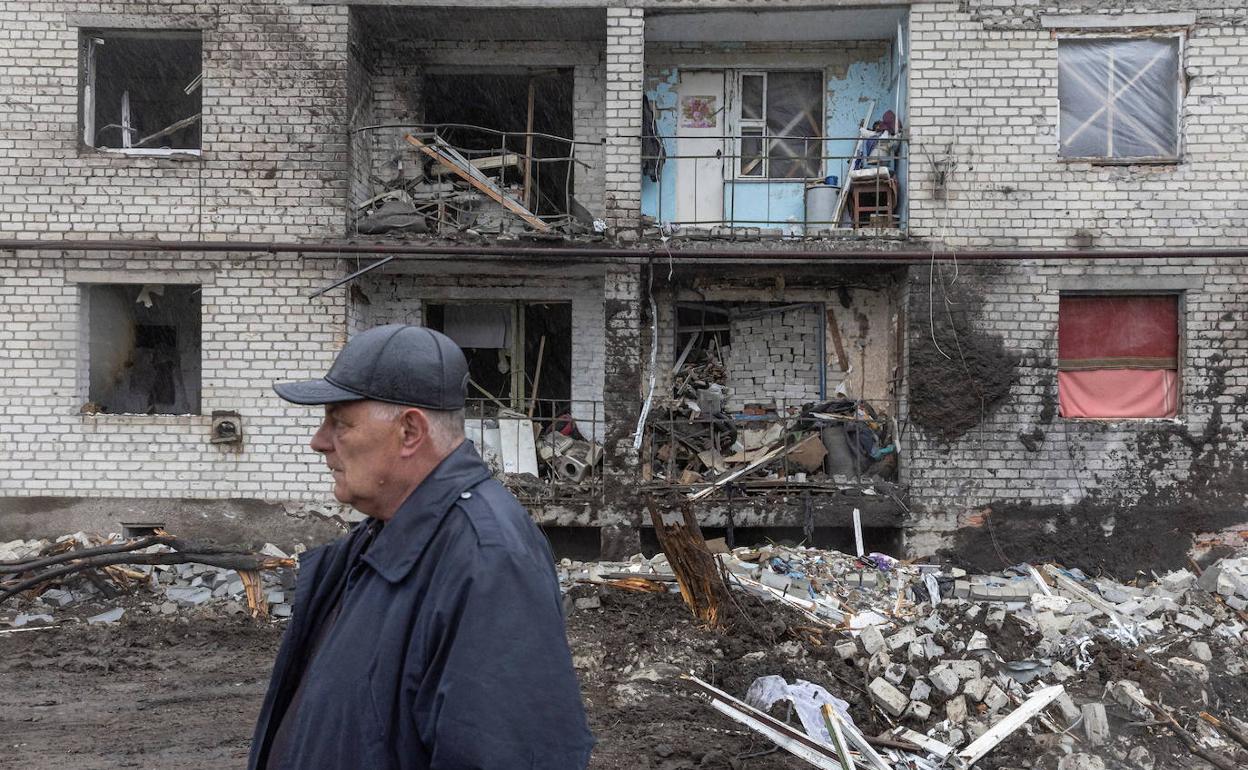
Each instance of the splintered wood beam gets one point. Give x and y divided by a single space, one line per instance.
697 572
472 176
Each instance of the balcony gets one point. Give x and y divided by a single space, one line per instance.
753 186
778 123
451 178
546 451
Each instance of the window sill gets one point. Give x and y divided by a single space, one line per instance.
1123 161
113 420
139 152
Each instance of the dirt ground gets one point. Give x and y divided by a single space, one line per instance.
183 691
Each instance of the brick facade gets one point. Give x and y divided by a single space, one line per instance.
284 84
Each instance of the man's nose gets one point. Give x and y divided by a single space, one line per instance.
320 440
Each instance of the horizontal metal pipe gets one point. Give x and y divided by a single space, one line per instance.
593 253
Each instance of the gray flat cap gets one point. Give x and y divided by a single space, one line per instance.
407 365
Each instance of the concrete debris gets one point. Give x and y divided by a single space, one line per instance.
888 697
995 659
24 619
152 588
111 616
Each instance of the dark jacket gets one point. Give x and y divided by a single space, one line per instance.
449 649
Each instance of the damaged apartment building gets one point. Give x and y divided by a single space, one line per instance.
961 275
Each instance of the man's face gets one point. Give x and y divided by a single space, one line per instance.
361 448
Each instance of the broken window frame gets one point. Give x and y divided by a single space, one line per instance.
746 128
89 42
1179 41
520 391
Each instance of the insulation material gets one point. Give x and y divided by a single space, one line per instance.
1119 97
1118 356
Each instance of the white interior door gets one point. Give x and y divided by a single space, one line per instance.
701 124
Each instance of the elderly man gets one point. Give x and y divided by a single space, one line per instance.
431 636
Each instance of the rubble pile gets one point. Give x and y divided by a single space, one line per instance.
1083 672
694 440
105 594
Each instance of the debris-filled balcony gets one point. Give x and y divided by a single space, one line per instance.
765 398
541 452
486 124
527 413
464 178
777 123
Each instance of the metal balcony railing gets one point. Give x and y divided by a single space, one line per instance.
547 450
786 445
793 186
470 177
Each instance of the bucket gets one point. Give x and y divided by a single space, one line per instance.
821 204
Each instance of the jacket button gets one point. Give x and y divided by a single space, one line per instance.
465 495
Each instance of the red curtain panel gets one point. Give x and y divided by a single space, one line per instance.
1118 356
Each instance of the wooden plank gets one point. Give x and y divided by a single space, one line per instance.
472 176
486 163
843 198
834 330
773 454
528 146
985 743
183 123
796 743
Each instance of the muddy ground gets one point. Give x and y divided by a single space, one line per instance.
183 691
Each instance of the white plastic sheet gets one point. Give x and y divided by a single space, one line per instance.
807 699
1119 97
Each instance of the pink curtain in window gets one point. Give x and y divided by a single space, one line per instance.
1118 356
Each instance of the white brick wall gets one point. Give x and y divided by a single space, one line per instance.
626 29
274 153
1116 460
983 102
258 327
983 97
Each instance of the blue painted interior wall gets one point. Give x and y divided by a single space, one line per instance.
661 90
779 204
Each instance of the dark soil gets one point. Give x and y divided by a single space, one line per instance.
958 372
183 692
151 692
1144 536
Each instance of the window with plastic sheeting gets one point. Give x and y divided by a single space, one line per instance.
780 122
1119 98
1118 356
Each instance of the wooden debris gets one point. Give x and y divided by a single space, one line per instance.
696 569
445 154
184 552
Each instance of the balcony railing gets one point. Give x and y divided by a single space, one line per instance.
547 450
741 186
834 445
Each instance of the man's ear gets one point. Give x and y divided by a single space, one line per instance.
414 431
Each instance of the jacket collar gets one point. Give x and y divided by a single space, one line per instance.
404 538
